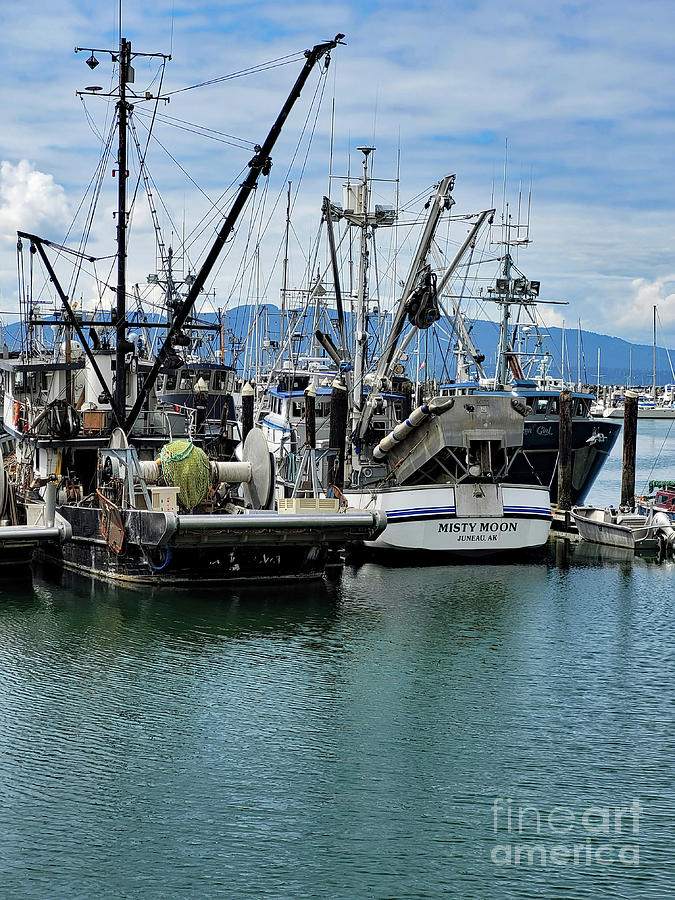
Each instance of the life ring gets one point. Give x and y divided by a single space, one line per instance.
19 416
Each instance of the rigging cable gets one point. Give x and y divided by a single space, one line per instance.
215 210
203 131
321 83
251 70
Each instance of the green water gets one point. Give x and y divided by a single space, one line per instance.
354 739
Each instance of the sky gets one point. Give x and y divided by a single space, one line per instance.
575 101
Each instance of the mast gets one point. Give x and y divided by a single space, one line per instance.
260 164
440 201
125 74
504 330
598 371
361 337
284 282
654 358
123 57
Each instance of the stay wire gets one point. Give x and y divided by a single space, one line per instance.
215 210
251 70
202 130
321 84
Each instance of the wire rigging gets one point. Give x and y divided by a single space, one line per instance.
251 70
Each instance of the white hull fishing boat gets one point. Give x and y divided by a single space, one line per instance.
441 472
379 390
445 488
460 519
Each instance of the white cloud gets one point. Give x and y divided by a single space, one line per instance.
637 313
28 200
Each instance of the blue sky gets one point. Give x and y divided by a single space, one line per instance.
582 92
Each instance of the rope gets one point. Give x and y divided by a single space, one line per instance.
186 467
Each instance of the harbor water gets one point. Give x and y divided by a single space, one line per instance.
481 731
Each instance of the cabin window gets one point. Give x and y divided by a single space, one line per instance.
322 409
220 381
298 408
185 383
541 406
27 382
171 379
553 406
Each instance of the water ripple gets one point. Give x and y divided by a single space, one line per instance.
344 740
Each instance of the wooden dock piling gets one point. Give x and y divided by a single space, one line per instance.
338 430
247 398
629 449
565 452
310 417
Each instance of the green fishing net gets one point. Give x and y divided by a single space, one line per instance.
186 467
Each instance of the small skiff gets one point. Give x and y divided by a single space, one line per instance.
617 528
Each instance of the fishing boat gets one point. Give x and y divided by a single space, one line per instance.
110 480
443 481
440 472
523 369
661 498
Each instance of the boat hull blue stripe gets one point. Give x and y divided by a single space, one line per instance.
277 427
450 512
